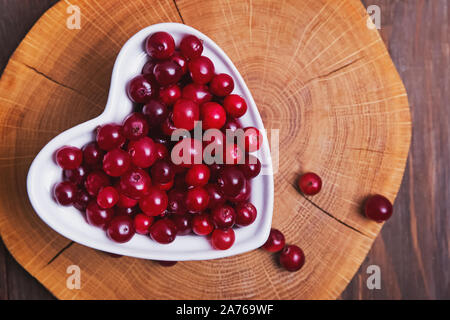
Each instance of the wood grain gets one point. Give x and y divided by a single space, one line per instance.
340 105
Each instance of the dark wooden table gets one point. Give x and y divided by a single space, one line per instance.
412 250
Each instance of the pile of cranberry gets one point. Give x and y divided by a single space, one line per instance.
127 182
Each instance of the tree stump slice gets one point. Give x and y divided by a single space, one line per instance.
317 73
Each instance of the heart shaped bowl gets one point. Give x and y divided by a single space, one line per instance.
44 173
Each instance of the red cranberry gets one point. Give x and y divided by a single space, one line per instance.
176 202
167 263
167 73
253 139
161 151
235 105
75 175
216 197
92 155
310 183
223 216
135 126
191 47
197 199
292 258
97 216
65 193
110 136
197 175
233 154
275 242
170 94
183 223
116 162
243 195
135 183
196 92
185 113
95 181
223 239
245 214
201 69
143 152
168 127
156 112
187 152
148 67
142 88
163 231
160 45
154 203
130 212
162 172
69 157
121 229
231 181
180 60
164 186
213 116
107 197
222 85
126 202
82 200
251 168
142 223
202 224
378 208
231 126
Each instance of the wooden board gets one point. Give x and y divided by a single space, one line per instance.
317 73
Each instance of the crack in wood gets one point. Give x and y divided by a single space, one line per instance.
60 252
178 10
333 72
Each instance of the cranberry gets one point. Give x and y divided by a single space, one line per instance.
231 126
378 208
116 162
233 154
202 224
245 214
95 181
170 94
161 151
135 126
253 139
130 212
92 155
185 113
191 47
156 112
176 202
201 69
107 197
180 60
162 172
143 152
126 202
97 216
275 242
164 186
69 157
292 258
216 197
168 127
82 200
154 203
243 195
231 181
142 223
187 152
198 175
167 73
75 175
121 229
197 199
223 216
163 231
213 116
251 167
223 239
148 67
167 263
196 92
110 136
135 183
235 105
160 45
142 88
65 193
310 183
183 223
222 85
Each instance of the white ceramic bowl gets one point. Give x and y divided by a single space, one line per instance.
69 222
